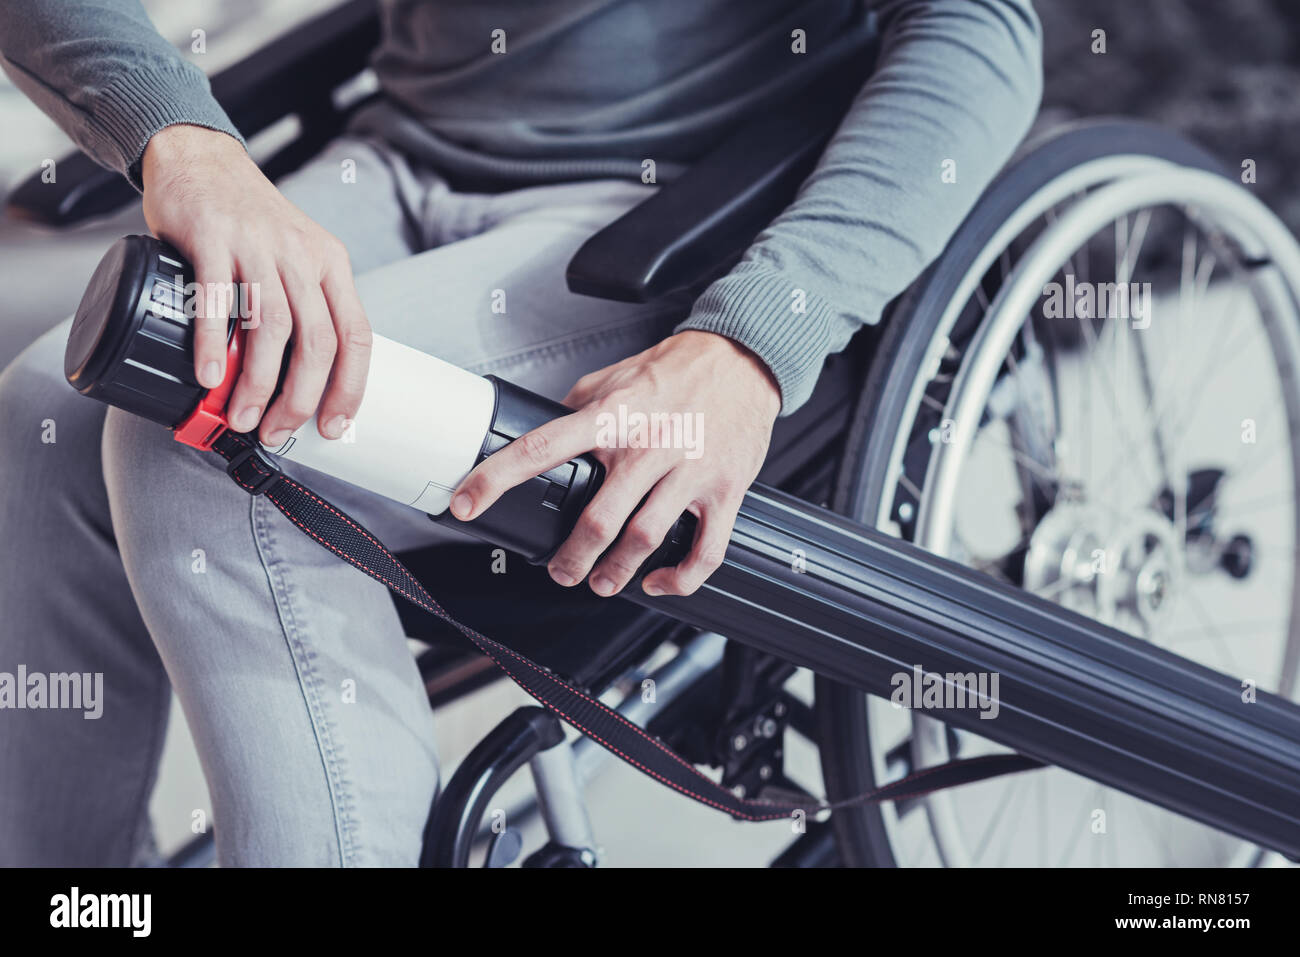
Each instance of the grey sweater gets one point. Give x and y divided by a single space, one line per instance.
578 88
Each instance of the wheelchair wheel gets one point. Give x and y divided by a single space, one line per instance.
1027 417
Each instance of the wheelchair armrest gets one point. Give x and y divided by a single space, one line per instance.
295 74
82 190
695 227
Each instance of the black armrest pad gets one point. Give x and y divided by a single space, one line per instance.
81 189
294 73
695 227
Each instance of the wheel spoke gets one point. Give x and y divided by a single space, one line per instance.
1212 628
1090 796
998 814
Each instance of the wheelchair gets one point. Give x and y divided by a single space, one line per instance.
1096 473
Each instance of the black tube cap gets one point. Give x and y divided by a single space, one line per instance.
132 341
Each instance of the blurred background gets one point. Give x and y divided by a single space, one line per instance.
1226 74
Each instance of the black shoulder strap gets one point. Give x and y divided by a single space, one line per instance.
336 531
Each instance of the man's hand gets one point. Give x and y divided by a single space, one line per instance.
720 386
204 195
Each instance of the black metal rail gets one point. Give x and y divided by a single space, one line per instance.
1072 692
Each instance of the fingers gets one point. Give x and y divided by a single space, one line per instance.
270 326
207 197
214 280
330 355
643 534
584 389
310 360
529 455
602 522
706 555
352 363
598 526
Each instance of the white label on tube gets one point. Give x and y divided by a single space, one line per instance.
417 434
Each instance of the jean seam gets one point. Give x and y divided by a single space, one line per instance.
309 682
502 208
143 829
570 345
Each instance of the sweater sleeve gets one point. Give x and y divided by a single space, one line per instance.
101 71
956 87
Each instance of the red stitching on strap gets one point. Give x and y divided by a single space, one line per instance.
419 596
437 610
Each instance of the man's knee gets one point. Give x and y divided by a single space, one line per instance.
46 429
167 500
145 467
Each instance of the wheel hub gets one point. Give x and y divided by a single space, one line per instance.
1125 569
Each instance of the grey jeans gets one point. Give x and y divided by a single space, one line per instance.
133 556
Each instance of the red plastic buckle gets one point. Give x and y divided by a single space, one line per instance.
205 424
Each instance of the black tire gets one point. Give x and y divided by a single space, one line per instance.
841 714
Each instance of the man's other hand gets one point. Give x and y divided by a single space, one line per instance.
683 426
